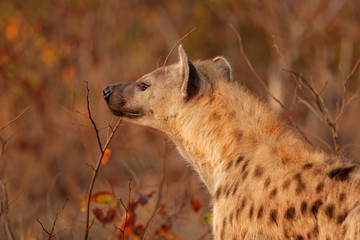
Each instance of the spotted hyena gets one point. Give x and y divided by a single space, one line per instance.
265 182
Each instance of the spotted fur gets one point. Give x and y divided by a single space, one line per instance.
265 181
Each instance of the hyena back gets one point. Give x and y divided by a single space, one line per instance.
265 182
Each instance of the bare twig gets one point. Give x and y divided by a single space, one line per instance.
14 119
262 82
4 211
126 211
91 119
97 167
185 36
51 233
321 110
159 202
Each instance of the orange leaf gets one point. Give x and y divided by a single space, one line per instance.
103 197
83 204
127 222
68 74
106 156
12 29
195 204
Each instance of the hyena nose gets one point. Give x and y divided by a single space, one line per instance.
107 92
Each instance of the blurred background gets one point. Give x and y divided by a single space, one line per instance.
49 48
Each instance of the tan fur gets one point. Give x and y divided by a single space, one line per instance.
265 181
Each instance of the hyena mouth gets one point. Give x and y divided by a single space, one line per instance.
127 113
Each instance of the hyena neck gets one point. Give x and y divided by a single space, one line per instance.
213 131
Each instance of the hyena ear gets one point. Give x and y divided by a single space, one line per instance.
191 80
221 64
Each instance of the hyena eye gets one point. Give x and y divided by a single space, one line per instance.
144 86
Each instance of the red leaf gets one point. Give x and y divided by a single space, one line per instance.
105 219
195 204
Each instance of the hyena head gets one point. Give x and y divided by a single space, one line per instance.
156 98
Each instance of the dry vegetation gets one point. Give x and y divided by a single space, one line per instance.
301 54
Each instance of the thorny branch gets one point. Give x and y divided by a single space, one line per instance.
51 233
252 69
97 167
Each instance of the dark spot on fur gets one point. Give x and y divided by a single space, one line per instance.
222 234
238 134
260 212
316 230
267 182
231 217
229 165
215 116
258 171
319 187
238 161
244 176
297 176
329 211
286 184
341 174
235 189
224 222
244 166
341 218
303 208
286 233
300 187
218 193
285 160
299 237
228 191
243 203
251 211
273 193
290 213
315 207
342 197
273 216
307 166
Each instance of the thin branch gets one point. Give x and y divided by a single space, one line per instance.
4 211
322 110
95 171
159 202
91 119
43 228
14 119
51 233
185 36
252 69
351 72
126 211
